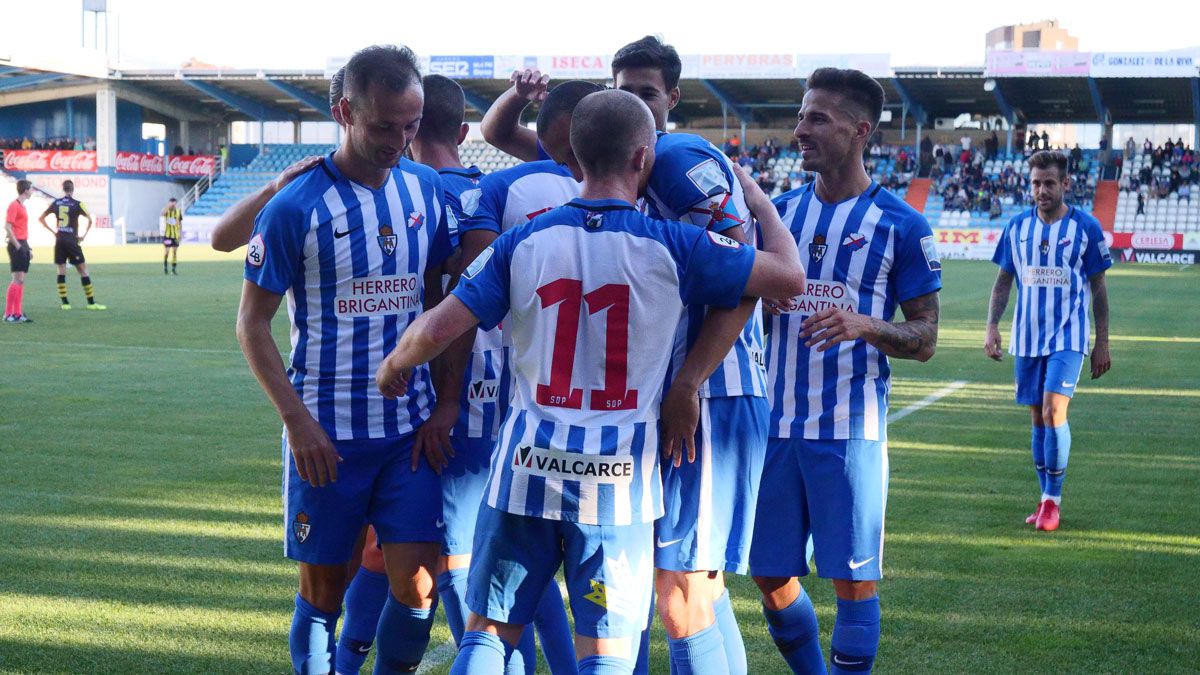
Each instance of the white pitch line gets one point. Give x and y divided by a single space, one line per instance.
440 655
928 400
133 348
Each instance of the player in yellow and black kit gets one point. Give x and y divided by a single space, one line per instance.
172 231
67 211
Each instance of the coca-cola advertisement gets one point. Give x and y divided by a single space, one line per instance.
191 165
140 162
50 160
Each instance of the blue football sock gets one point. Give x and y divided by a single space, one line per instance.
1058 449
735 649
605 665
855 636
794 630
311 638
550 619
480 653
364 601
523 659
641 660
452 590
1038 445
699 654
402 637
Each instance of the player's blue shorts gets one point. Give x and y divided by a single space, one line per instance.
463 481
1037 375
833 490
376 485
608 568
709 505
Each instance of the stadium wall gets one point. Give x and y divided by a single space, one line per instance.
71 118
138 202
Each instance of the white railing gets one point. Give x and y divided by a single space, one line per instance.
196 191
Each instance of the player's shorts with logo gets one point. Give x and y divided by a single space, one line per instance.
68 251
1038 375
710 503
171 242
608 568
833 490
375 485
463 482
19 256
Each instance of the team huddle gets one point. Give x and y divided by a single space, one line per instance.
563 366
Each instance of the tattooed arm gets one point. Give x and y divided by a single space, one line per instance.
1000 292
914 338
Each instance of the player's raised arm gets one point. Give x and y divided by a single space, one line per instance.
501 124
233 229
777 271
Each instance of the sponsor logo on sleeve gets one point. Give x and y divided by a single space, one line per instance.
708 177
722 240
379 296
929 248
470 201
256 251
477 264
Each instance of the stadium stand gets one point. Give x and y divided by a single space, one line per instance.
1157 186
237 182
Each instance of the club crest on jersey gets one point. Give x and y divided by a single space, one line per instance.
1044 247
593 220
416 219
387 240
716 211
854 241
817 248
301 527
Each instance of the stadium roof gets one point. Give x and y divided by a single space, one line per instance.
759 90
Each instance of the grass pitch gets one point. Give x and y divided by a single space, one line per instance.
140 514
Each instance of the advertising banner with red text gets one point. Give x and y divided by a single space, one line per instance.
191 165
140 162
967 243
50 160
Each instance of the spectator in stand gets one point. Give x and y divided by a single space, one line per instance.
965 141
992 145
1185 193
1033 140
1075 157
89 144
26 144
1141 210
1147 147
1045 140
1130 148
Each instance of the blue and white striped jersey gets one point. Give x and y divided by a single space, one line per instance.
486 380
578 284
351 261
456 182
1052 263
501 201
693 182
866 254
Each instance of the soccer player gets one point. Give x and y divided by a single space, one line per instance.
709 500
1057 255
503 200
67 211
172 231
575 481
357 246
16 239
826 471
